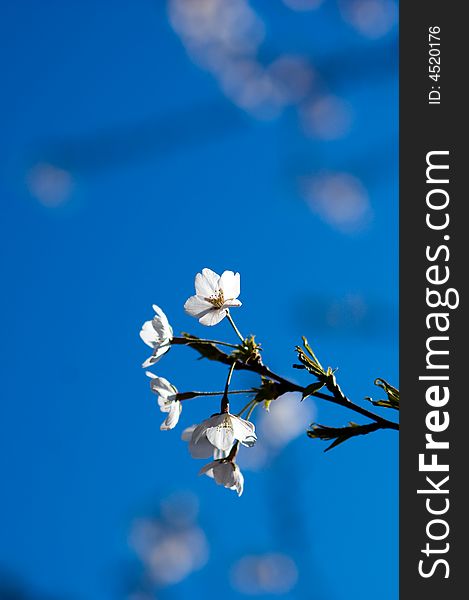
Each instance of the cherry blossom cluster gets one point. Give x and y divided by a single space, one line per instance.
219 436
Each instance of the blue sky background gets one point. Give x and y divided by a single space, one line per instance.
129 163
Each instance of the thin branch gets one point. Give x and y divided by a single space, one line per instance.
184 340
337 396
189 395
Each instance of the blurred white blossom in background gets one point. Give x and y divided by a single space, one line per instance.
371 18
340 199
303 4
271 573
326 117
170 546
224 37
283 423
50 185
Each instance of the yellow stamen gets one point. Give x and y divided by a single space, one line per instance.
217 300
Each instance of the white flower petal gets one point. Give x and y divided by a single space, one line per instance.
230 284
244 431
149 362
206 283
249 441
172 419
200 430
224 474
201 449
221 436
231 304
239 481
213 316
164 404
196 306
163 331
186 435
199 446
161 349
162 317
161 386
158 330
211 280
208 468
157 354
148 334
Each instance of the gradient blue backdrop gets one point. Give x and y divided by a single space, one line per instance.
163 175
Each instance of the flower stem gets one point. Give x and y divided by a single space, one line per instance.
233 452
248 405
225 403
230 319
251 410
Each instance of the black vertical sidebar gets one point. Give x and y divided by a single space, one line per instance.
434 270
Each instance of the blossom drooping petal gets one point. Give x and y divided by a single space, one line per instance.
155 357
244 431
167 400
174 411
201 448
219 432
161 386
225 473
222 435
186 435
239 480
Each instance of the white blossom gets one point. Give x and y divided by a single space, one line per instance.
204 448
225 473
215 436
157 334
167 400
214 296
